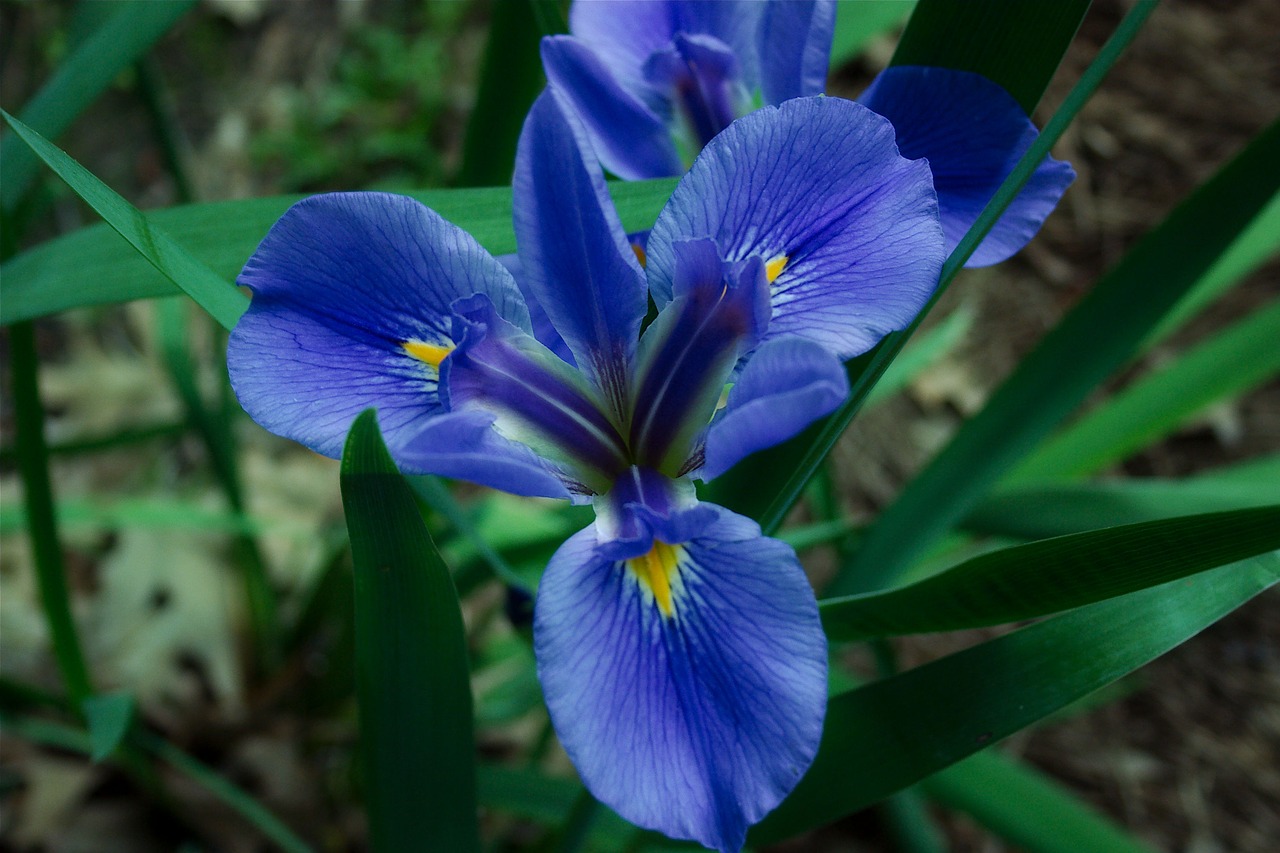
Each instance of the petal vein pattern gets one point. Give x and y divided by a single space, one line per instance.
857 224
709 708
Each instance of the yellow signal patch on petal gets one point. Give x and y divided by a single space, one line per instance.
656 571
640 254
430 354
774 267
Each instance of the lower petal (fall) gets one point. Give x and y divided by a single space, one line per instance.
687 682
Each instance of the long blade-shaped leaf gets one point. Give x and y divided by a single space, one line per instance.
66 737
108 716
511 77
1026 808
202 284
1096 338
413 682
42 526
880 738
125 37
1255 245
860 21
1018 45
1052 575
51 277
1038 512
1236 359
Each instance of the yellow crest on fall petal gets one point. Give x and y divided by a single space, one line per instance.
656 571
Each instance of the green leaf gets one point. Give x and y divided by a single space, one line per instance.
1017 45
1230 363
1026 808
172 336
214 294
167 513
547 800
67 737
51 277
1097 337
511 78
246 806
125 37
1038 512
413 683
860 21
1255 245
436 494
890 734
527 793
42 526
1027 581
109 717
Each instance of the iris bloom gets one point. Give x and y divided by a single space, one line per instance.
679 649
654 81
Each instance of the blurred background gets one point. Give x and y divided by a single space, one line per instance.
266 97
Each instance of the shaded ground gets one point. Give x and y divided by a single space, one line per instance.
1188 758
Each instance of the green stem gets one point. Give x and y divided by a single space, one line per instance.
33 467
75 739
9 453
248 808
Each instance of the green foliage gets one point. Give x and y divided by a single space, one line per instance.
381 121
221 235
125 36
108 716
173 261
1056 574
1024 807
411 661
914 724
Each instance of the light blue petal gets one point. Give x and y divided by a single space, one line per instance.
697 719
573 252
465 446
631 140
787 384
340 283
819 182
973 134
795 48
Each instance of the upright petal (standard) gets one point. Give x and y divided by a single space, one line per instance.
850 238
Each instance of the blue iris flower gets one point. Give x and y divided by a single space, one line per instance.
653 81
679 650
